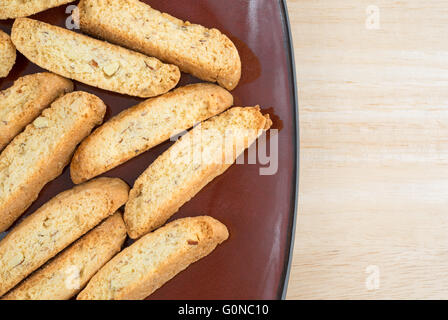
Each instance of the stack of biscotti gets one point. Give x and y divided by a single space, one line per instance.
72 243
56 225
65 275
147 264
7 54
21 103
10 9
144 126
206 53
189 165
38 154
94 62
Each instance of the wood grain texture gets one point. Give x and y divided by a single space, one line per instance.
374 149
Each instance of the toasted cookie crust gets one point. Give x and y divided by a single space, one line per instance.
11 9
144 126
65 275
55 225
189 165
21 103
206 53
91 61
150 262
39 154
7 54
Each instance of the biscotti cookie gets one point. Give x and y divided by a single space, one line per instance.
206 53
40 153
150 262
144 126
55 225
65 275
25 99
7 54
10 9
189 165
94 62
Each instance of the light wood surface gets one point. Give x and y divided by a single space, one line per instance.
374 150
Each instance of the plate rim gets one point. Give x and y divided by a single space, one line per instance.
295 196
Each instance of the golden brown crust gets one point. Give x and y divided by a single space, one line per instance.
7 54
144 126
155 259
189 165
55 225
206 53
91 61
25 99
78 263
40 153
11 9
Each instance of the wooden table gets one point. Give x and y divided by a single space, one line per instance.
373 96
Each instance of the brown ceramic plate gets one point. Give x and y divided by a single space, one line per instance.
259 210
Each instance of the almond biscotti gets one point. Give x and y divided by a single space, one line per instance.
11 9
189 165
55 225
7 54
65 275
25 99
144 126
40 153
206 53
150 262
94 62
